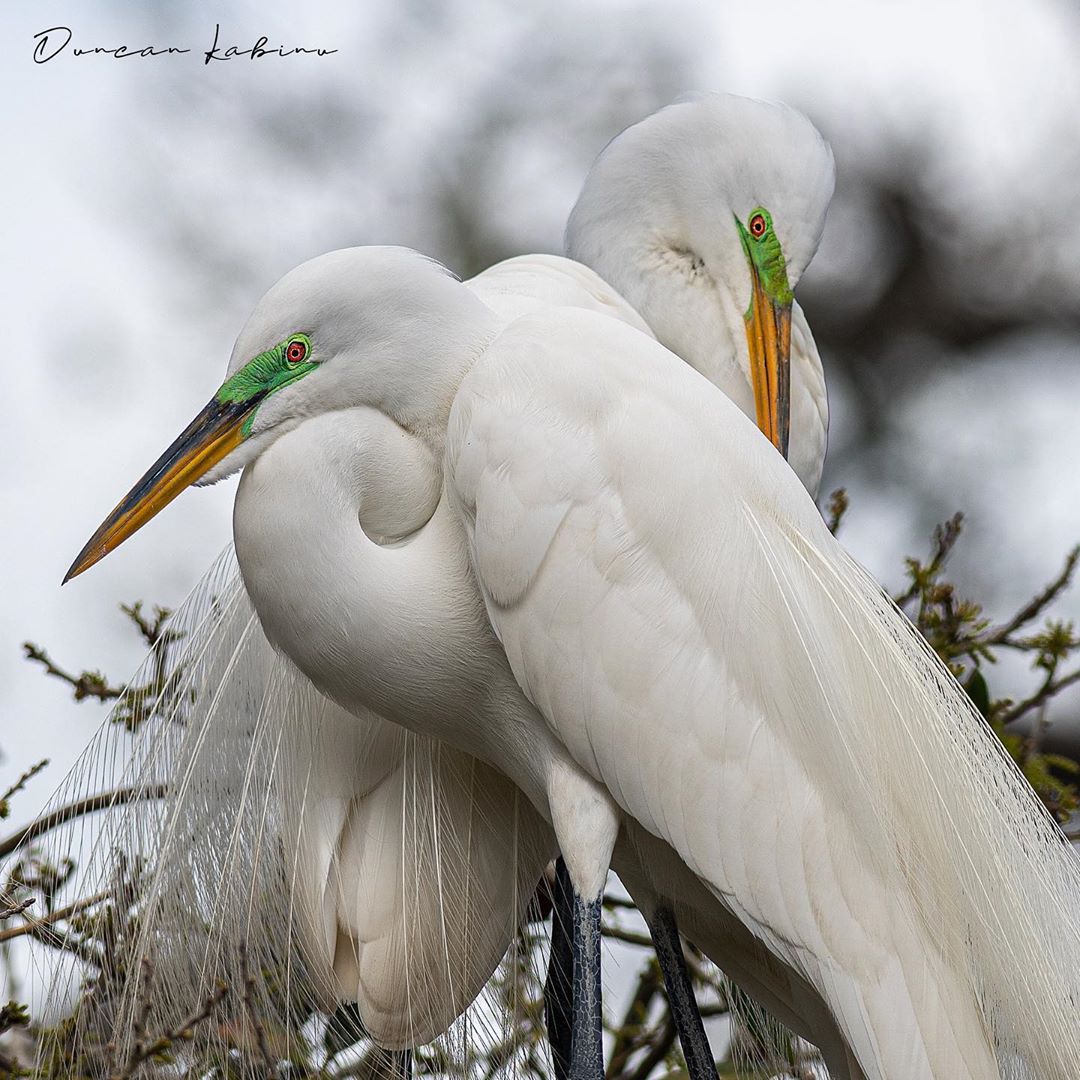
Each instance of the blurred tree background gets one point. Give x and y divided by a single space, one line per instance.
156 199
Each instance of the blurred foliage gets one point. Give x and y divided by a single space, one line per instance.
643 1039
922 267
969 642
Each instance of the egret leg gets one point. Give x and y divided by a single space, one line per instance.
391 1064
403 1065
558 987
684 1011
586 821
587 1040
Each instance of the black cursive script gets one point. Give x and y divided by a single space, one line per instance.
257 51
48 44
52 42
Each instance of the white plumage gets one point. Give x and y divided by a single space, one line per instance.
690 643
654 221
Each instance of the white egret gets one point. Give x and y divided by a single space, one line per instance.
665 636
651 222
362 769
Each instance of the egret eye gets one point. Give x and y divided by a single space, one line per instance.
758 225
296 351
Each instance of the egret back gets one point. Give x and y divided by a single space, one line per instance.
266 857
702 645
531 283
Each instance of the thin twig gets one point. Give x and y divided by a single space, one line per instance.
67 941
631 937
90 684
617 902
150 631
15 908
945 537
1000 635
250 1011
20 784
32 925
145 1049
1048 689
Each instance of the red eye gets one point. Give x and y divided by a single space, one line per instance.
758 225
295 351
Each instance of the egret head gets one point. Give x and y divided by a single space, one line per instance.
356 327
704 216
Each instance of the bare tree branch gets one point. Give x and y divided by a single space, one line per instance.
1046 691
90 805
88 684
33 926
1000 635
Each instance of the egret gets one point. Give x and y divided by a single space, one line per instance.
650 222
604 581
408 995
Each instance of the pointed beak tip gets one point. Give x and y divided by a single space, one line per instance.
81 564
210 437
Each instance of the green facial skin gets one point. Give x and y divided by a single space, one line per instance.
767 259
264 375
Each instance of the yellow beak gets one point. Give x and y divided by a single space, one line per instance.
768 332
213 434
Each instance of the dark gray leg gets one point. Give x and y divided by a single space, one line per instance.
684 1011
390 1064
587 1042
558 989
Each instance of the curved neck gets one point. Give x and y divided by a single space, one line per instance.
360 575
412 371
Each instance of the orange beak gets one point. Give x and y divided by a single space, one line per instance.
213 434
768 333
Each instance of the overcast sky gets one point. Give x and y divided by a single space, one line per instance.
123 178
